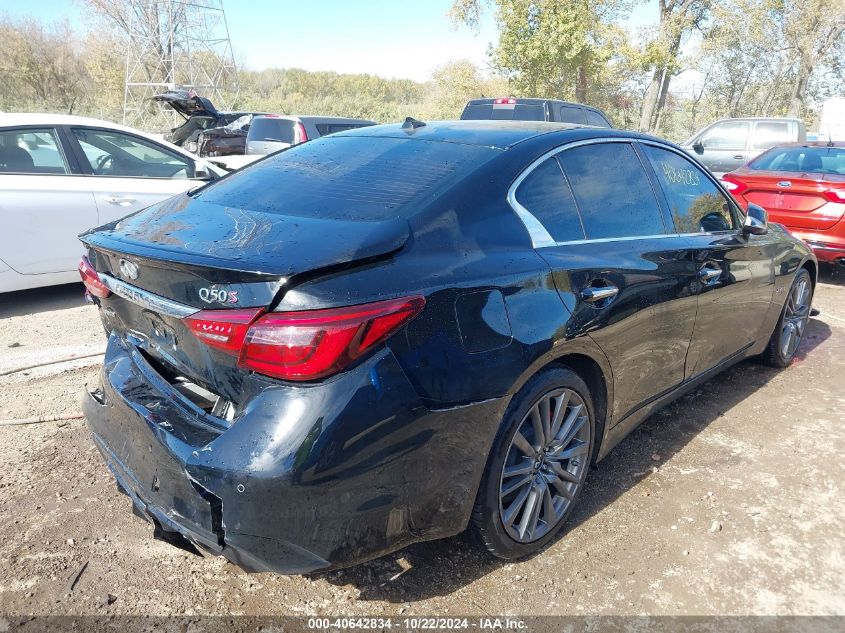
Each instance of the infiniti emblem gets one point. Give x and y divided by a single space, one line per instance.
128 269
784 183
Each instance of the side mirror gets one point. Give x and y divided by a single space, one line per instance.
203 173
698 147
756 222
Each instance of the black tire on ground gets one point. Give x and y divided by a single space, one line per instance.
554 482
793 316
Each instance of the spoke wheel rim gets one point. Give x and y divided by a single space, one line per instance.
795 316
545 465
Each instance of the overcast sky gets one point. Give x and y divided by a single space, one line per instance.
391 38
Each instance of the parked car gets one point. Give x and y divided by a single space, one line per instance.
61 175
272 132
229 140
801 185
512 109
199 114
729 143
391 333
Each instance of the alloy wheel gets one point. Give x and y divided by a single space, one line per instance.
545 465
795 316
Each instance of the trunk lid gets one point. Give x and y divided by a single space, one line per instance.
185 255
795 199
187 103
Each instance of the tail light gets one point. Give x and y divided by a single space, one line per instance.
835 195
222 329
303 345
91 279
736 187
301 134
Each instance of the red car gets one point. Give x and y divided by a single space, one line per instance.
800 185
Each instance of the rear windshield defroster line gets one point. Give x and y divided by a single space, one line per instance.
348 178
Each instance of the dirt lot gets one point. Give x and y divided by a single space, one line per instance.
731 501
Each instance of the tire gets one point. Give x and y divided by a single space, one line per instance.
509 530
792 323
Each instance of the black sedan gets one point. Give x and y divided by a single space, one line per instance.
391 334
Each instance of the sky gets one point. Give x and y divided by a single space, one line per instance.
390 38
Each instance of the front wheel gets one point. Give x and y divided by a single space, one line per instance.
537 465
792 323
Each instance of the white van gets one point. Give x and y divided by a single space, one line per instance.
832 122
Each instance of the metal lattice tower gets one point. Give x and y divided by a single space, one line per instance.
172 45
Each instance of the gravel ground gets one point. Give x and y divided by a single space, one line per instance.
731 501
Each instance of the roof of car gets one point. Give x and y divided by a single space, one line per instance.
497 134
819 143
532 101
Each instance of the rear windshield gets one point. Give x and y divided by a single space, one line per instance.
822 160
518 112
349 177
270 129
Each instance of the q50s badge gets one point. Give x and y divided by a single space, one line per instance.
218 295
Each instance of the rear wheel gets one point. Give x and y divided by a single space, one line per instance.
792 323
537 466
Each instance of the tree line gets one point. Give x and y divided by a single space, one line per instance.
746 57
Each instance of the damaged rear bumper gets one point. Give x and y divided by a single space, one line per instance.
307 478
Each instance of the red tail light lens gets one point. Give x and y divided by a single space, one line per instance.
835 195
736 187
91 279
317 343
222 329
301 134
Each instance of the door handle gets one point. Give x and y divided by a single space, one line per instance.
597 294
709 273
123 202
739 156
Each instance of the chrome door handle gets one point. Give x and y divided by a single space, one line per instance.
708 274
593 294
123 202
739 156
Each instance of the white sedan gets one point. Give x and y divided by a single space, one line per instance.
61 175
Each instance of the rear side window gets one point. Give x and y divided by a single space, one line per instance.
348 177
330 128
571 114
726 135
271 129
613 193
594 118
695 202
547 196
769 133
31 151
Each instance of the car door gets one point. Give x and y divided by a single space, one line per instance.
735 272
127 173
619 269
725 146
44 205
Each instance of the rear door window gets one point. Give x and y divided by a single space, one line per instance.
695 201
612 190
330 128
31 151
726 135
272 129
769 133
571 114
547 196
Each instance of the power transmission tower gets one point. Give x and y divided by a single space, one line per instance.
173 45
